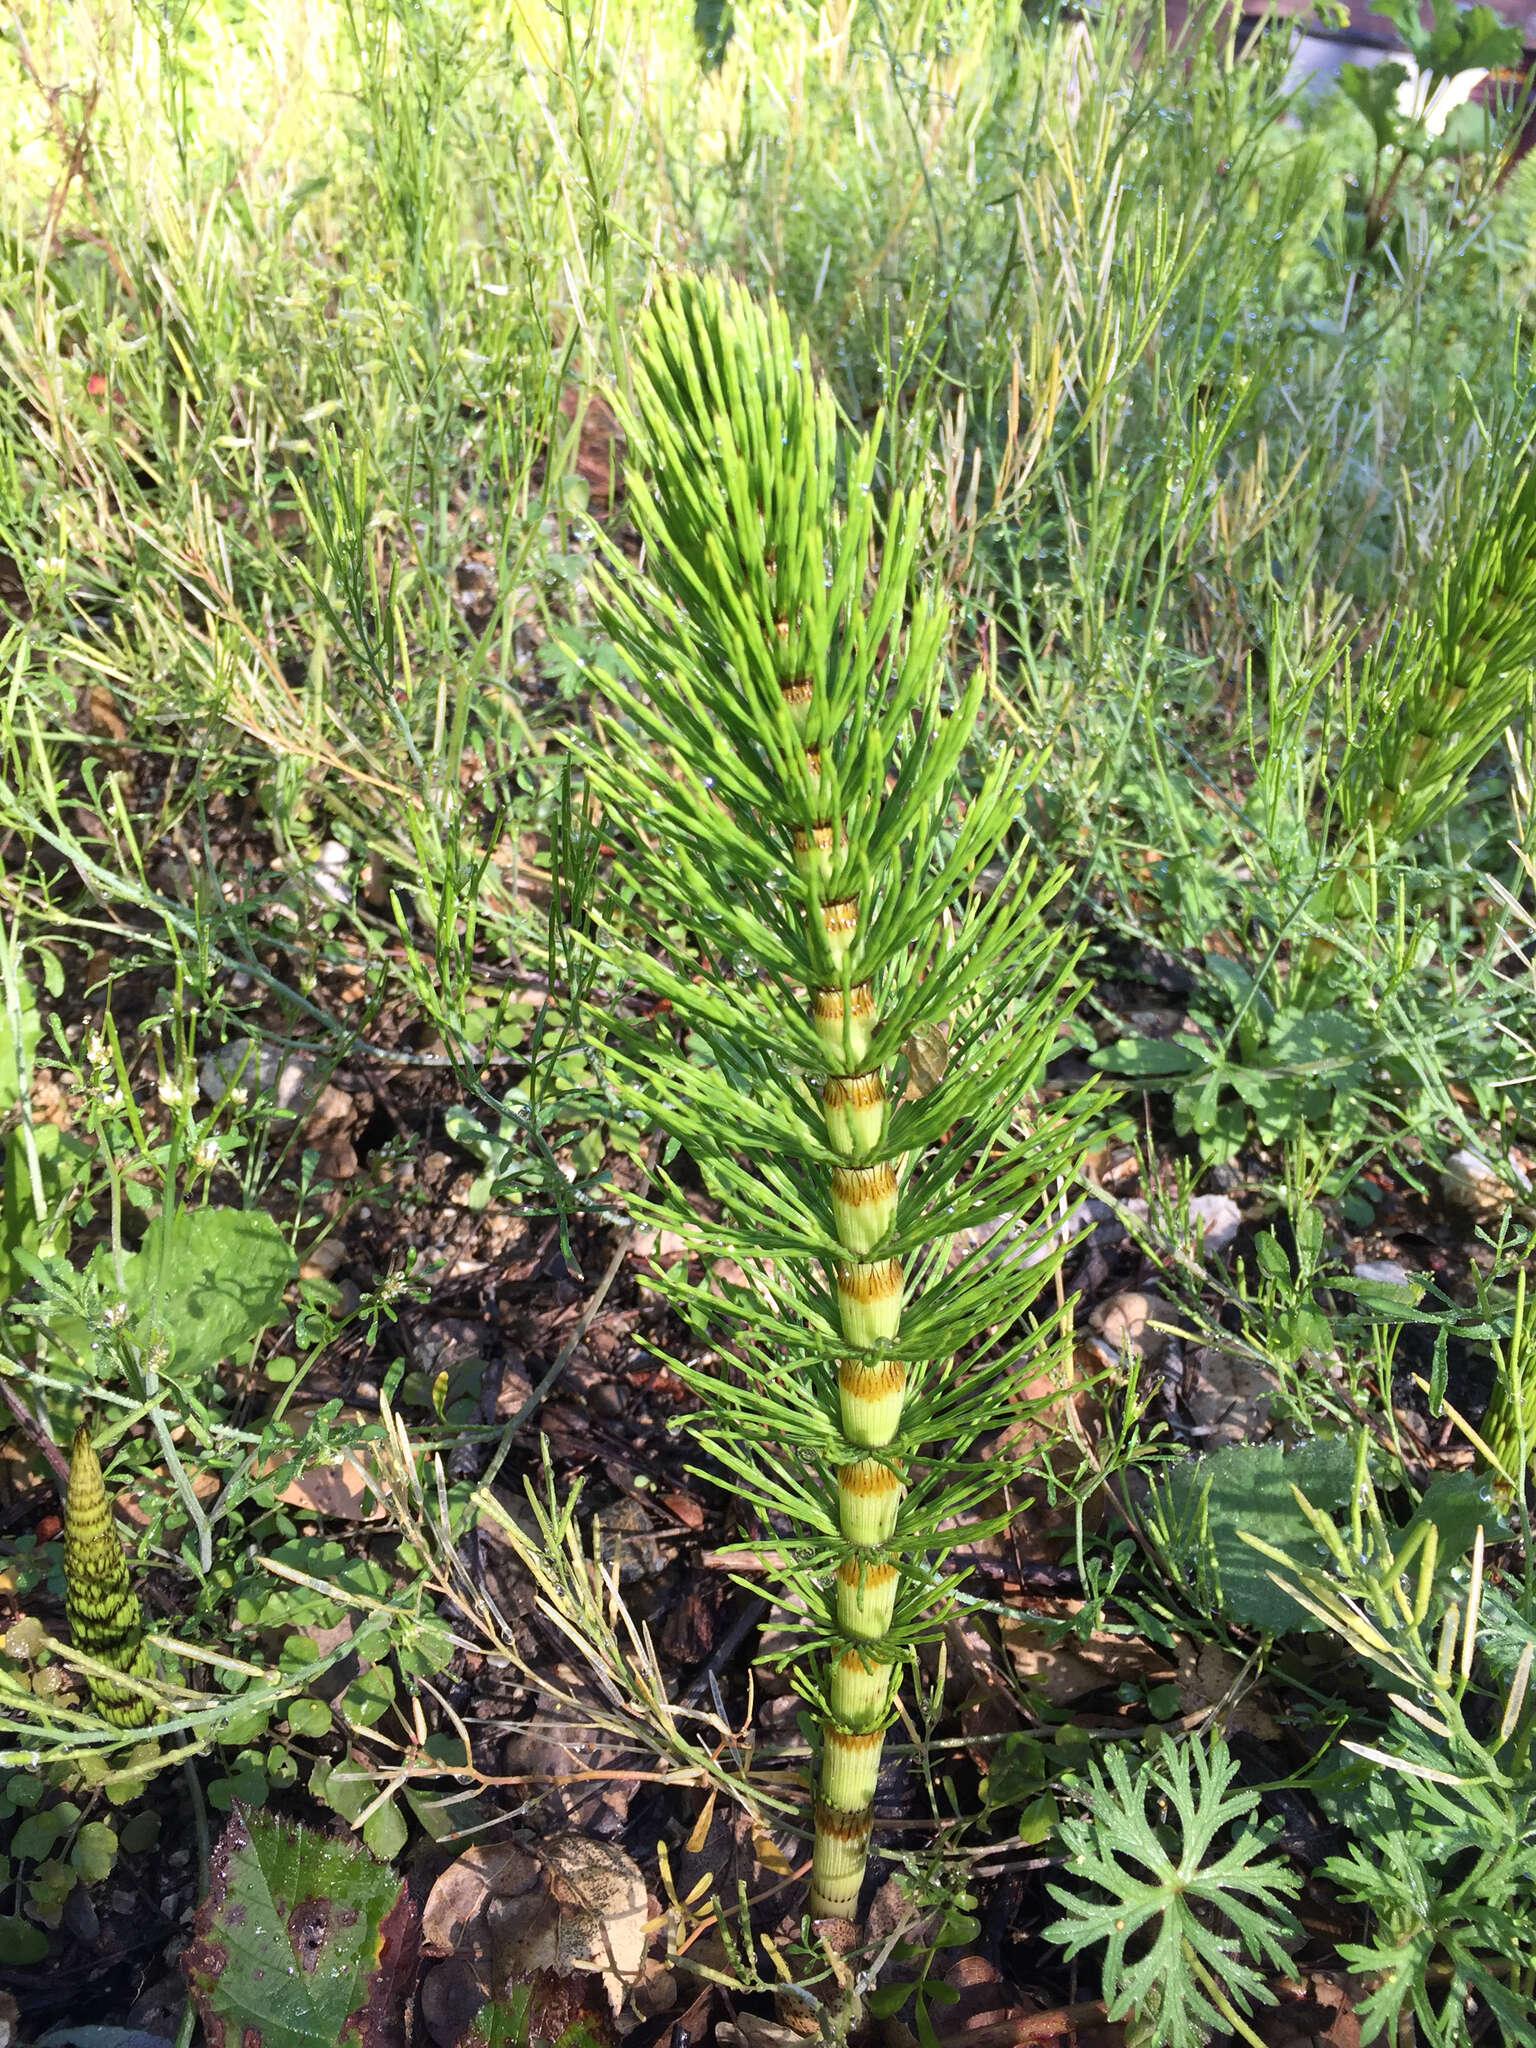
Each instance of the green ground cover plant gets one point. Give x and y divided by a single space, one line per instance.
765 1067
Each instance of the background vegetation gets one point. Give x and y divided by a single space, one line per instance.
319 1197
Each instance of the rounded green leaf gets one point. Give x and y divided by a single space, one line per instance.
281 1768
140 1833
35 1838
95 1851
309 1717
384 1831
21 1944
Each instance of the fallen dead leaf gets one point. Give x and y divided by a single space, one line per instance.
1069 1670
342 1490
751 2030
927 1054
573 1905
102 715
1207 1676
1226 1399
1126 1321
454 1922
1315 2012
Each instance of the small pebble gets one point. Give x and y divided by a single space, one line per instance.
1124 1323
1217 1216
1385 1270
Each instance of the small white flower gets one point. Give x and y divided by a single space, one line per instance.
116 1315
97 1051
239 1095
207 1154
171 1093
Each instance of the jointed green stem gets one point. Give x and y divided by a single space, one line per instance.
872 1394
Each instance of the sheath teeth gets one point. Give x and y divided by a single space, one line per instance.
840 921
813 852
869 1301
863 1204
850 1768
871 1398
868 1497
859 1689
854 1105
837 1867
797 696
866 1598
845 1028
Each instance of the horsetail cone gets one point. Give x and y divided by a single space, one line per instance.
105 1619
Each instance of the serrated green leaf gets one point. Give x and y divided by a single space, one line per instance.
1372 88
1250 1491
1152 1877
209 1281
302 1941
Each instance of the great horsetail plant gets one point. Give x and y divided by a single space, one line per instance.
854 994
105 1619
1452 673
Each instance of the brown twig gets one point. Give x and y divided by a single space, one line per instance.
1026 2029
36 1436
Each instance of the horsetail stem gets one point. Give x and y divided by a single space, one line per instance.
845 1024
870 1400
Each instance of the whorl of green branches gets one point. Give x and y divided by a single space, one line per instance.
1440 686
860 994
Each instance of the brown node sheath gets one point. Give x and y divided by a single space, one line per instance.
853 1091
871 1382
848 1827
855 1738
827 1003
870 1280
867 1477
858 1186
856 1572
